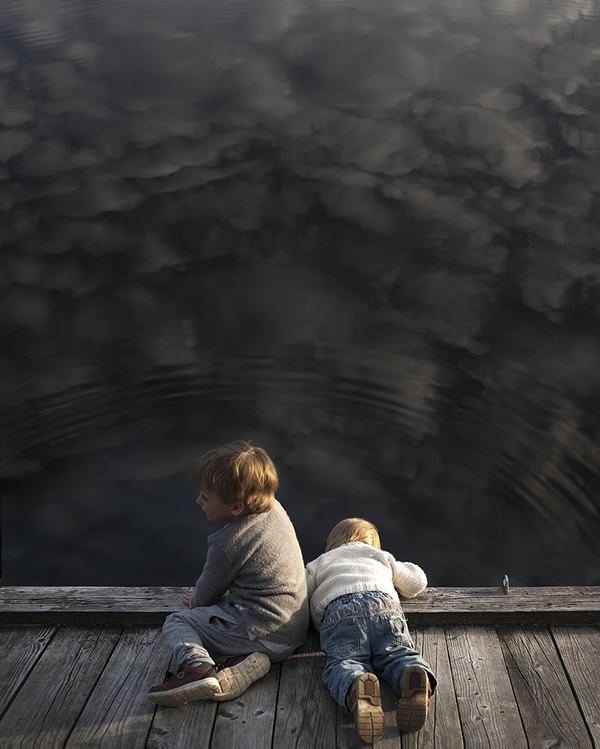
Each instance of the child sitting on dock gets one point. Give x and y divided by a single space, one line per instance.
353 589
249 606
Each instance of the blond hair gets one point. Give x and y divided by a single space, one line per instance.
239 472
353 529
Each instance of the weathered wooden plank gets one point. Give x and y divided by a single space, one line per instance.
46 708
305 715
248 720
489 714
436 606
442 728
118 713
449 606
20 648
89 604
548 707
182 727
579 649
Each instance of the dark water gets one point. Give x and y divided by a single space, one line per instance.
364 235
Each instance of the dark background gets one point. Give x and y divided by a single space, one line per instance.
364 236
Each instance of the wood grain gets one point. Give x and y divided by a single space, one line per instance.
118 713
20 648
48 675
489 714
442 728
435 607
548 707
305 716
579 649
248 720
48 705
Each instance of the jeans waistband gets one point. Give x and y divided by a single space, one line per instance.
353 604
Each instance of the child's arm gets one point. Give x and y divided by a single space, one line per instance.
408 578
214 581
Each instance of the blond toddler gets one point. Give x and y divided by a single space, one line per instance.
354 603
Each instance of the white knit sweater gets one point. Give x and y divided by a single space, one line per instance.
357 567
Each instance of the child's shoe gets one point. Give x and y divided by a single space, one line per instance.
235 674
364 702
413 704
189 683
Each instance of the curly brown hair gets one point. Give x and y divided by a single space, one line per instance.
239 472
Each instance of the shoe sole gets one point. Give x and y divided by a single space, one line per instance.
369 720
413 704
235 680
196 690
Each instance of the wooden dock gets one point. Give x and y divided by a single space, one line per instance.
516 670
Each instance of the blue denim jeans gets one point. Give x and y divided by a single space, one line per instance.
366 633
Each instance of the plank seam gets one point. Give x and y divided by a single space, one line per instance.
275 710
452 676
150 724
155 711
212 725
87 699
564 665
33 665
512 686
445 631
504 649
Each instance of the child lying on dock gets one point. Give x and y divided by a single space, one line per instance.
353 589
249 607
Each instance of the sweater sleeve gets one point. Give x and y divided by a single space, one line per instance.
215 579
408 578
311 578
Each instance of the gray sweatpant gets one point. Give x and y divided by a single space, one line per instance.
207 633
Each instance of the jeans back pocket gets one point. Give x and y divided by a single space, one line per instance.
341 639
397 630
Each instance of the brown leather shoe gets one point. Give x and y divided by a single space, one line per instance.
411 712
189 683
364 702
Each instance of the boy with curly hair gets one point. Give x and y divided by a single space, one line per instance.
249 607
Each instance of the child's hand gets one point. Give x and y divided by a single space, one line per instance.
187 598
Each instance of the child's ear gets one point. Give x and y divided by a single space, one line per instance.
237 509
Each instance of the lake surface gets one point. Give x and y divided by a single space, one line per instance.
362 235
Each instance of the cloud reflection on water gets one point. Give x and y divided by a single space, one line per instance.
366 237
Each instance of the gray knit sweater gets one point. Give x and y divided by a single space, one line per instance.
256 563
